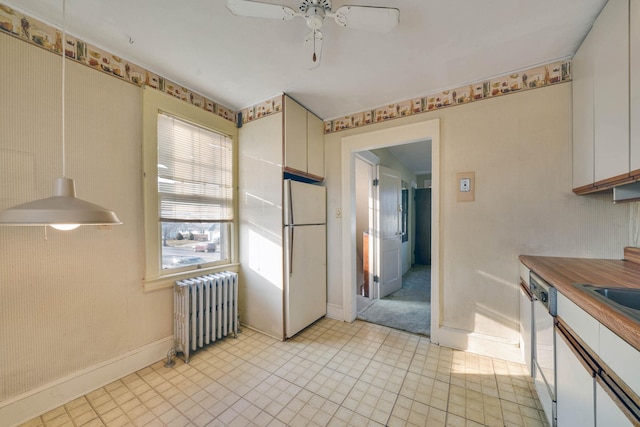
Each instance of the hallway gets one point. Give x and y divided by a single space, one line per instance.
408 309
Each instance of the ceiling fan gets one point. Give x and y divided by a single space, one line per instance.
371 18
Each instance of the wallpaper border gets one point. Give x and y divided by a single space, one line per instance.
47 37
40 34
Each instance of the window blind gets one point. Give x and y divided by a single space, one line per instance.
195 172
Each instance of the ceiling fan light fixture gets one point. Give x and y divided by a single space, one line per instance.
315 17
370 18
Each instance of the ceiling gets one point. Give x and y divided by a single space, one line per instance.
439 44
415 156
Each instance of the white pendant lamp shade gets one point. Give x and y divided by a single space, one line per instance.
63 210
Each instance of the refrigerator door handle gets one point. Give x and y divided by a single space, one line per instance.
291 234
290 197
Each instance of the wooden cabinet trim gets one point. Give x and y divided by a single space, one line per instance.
586 189
632 254
303 174
625 178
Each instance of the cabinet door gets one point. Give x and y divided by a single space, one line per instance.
634 89
611 90
621 357
583 74
575 388
315 146
582 323
607 412
295 135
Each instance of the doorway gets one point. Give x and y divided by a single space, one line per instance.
350 145
399 295
422 204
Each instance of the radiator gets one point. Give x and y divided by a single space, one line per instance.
205 310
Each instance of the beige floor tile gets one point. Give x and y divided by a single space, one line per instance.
35 422
332 374
349 363
331 385
426 390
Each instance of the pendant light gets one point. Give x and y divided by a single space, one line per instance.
63 210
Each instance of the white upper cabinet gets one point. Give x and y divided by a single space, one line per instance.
303 141
583 77
611 91
295 135
634 85
315 145
601 107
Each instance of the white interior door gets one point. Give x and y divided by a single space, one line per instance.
389 230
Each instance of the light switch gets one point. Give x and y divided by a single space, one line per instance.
466 186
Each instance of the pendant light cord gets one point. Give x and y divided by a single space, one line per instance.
64 42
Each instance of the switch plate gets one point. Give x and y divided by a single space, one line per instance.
338 213
466 186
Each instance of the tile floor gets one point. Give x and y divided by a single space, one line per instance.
331 374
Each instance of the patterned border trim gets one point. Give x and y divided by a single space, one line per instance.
533 78
263 109
40 34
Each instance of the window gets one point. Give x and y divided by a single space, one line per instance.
195 189
189 187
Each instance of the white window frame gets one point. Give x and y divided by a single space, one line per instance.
154 102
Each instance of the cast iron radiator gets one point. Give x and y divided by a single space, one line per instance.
205 310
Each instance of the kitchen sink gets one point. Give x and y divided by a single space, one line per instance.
624 300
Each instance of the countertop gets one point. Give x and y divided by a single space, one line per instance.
562 273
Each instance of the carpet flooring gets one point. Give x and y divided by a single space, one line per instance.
407 309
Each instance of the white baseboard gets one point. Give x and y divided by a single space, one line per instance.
49 396
335 311
485 345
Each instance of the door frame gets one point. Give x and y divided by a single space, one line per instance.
397 135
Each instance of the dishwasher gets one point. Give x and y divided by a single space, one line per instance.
543 338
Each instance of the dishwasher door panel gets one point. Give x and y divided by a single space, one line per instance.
544 345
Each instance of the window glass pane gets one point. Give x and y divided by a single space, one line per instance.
187 244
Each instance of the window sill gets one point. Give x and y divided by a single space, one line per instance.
168 280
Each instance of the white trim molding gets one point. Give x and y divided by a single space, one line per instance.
36 402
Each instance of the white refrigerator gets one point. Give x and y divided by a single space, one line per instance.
305 255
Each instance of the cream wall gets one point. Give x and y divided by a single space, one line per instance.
71 302
519 147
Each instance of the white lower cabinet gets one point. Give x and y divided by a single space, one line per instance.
607 412
575 388
584 350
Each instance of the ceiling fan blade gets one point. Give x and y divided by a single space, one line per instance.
378 19
255 9
313 49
